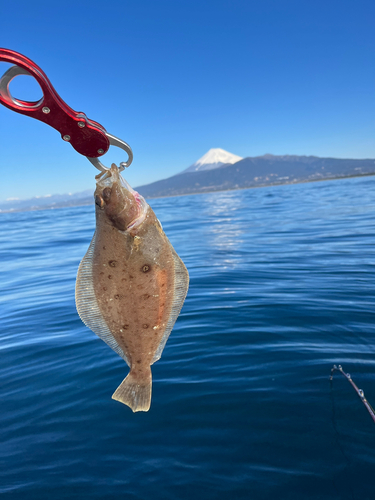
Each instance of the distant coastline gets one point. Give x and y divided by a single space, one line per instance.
262 186
90 200
218 170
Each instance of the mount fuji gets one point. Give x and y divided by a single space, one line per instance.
214 158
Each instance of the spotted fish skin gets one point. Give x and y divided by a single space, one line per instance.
131 285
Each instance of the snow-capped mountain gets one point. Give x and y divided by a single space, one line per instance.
257 171
214 158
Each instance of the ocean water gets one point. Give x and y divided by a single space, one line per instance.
282 287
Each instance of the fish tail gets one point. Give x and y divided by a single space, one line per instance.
135 390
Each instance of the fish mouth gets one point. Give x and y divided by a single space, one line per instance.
112 177
140 201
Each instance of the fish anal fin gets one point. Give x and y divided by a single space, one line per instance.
135 391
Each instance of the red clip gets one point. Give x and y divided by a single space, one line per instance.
86 136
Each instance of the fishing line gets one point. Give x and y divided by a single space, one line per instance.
360 392
348 462
368 406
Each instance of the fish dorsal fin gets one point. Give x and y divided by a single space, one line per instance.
181 285
87 305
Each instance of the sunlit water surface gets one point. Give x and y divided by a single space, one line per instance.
282 287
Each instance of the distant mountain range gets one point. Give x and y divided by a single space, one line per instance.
219 170
255 172
49 201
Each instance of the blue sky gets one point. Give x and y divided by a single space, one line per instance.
176 78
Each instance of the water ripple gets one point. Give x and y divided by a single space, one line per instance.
282 287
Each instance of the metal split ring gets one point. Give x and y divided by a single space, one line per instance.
114 141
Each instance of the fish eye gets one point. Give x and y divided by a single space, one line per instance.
99 201
106 193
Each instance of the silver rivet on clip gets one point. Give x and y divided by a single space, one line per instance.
100 151
81 124
46 110
66 137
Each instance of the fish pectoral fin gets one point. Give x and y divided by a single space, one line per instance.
135 391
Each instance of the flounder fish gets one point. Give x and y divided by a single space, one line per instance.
131 284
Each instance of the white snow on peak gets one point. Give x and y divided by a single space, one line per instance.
214 158
217 156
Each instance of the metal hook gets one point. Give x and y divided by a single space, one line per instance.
114 141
